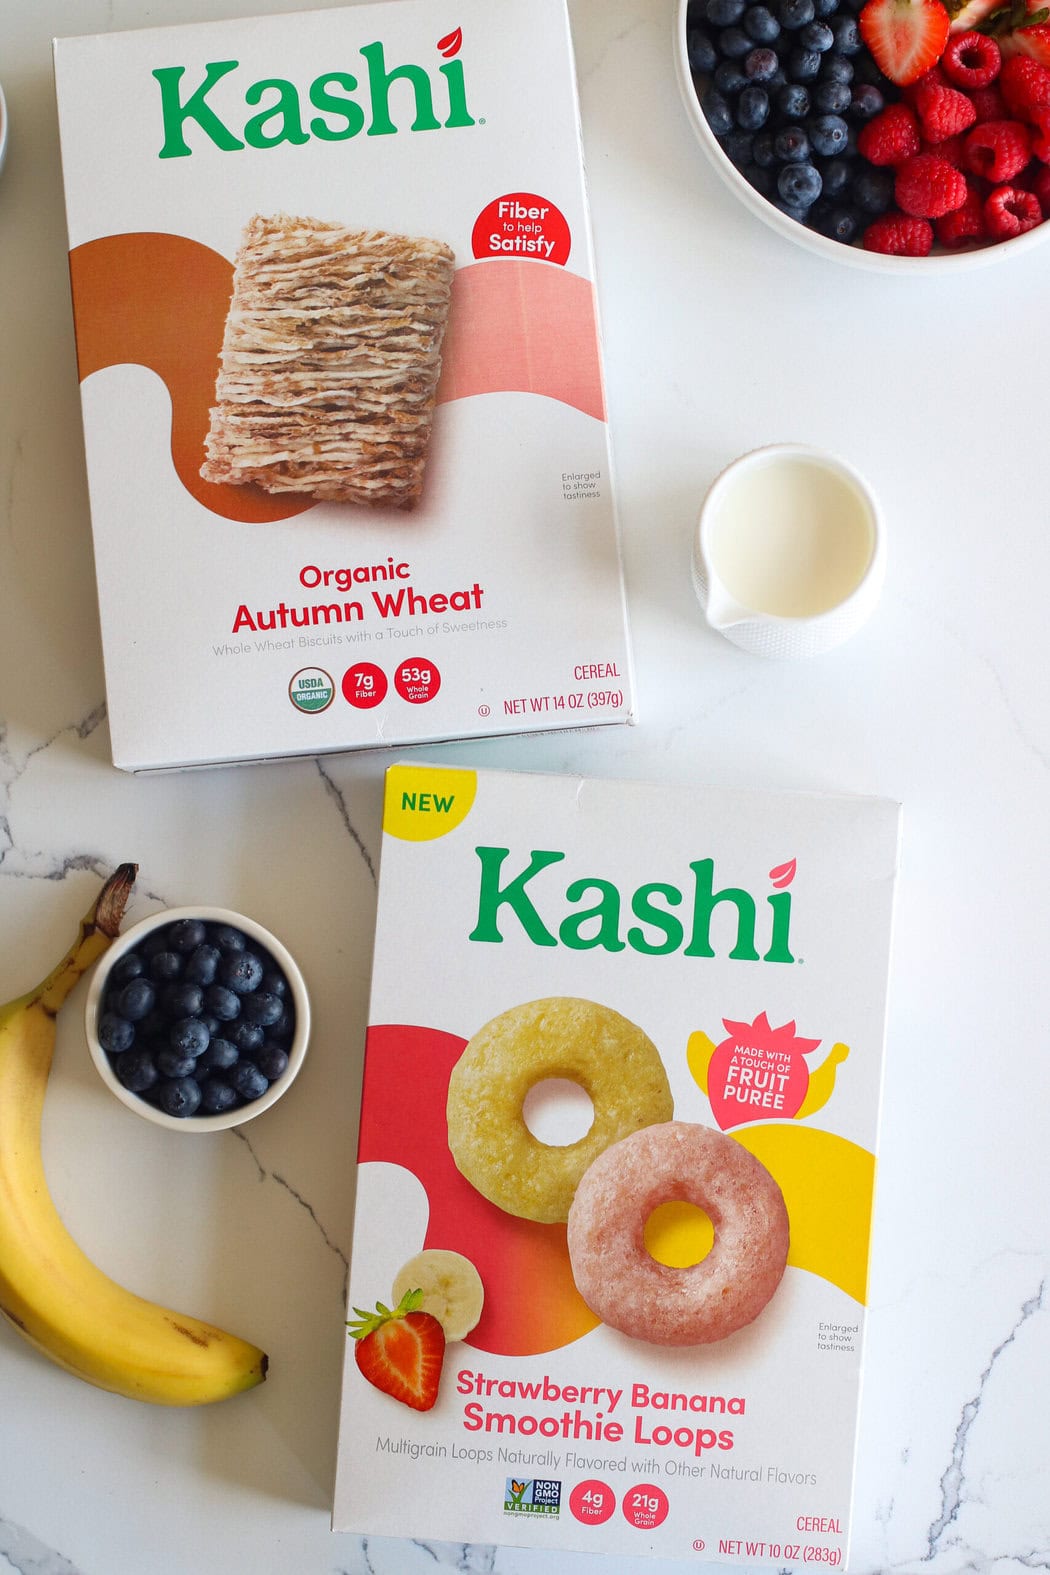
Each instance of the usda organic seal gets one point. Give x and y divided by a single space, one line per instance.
311 689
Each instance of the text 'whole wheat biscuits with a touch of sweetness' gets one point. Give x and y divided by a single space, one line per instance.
330 362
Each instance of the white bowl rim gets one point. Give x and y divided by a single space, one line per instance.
870 583
5 121
812 240
129 938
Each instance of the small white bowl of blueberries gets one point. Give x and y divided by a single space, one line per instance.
197 1019
900 135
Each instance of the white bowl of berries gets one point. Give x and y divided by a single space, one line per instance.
886 134
197 1019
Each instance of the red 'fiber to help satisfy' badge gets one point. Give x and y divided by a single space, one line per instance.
522 225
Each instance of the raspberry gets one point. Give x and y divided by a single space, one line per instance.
943 112
998 149
891 137
935 77
971 60
898 236
953 149
1041 135
989 103
1041 189
927 186
1025 84
965 224
1010 211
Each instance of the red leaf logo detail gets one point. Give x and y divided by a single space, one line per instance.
451 44
783 874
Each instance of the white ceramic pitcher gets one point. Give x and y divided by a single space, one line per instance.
789 556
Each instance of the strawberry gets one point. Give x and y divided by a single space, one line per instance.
1033 41
998 149
971 60
906 37
401 1352
1010 211
898 236
968 14
927 187
1021 28
943 112
890 137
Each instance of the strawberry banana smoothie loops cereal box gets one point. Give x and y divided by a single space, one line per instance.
616 1166
341 379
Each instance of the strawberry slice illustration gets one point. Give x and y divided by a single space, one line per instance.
906 37
451 44
402 1351
783 874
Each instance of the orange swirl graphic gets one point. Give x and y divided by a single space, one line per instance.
160 301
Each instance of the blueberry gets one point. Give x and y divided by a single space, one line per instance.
216 1096
798 214
803 64
189 1037
752 110
729 78
248 1080
227 937
735 43
794 14
274 981
156 941
153 1026
793 101
828 135
115 1033
761 65
271 1061
866 101
181 1000
799 184
185 935
791 145
865 70
703 57
222 1003
837 176
245 1037
817 36
284 1028
736 145
836 68
179 1096
762 150
838 224
165 966
873 190
241 972
826 8
202 964
211 1023
762 181
220 1055
266 1009
761 25
832 98
725 13
136 1071
130 966
846 35
172 1063
136 1000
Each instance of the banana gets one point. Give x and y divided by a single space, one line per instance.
451 1286
49 1290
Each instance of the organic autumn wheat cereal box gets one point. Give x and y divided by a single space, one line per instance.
341 379
616 1166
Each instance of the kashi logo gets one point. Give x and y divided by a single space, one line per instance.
281 117
597 919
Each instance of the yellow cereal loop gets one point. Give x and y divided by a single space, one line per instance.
425 802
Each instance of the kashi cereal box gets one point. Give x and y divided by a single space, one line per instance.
336 327
616 1165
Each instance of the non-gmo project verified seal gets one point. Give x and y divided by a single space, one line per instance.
539 1497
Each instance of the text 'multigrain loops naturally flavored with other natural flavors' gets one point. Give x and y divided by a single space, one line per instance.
341 380
616 1167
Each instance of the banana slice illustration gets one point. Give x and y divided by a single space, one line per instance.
451 1286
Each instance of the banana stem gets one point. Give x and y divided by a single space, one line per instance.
99 926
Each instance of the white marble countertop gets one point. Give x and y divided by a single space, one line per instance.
719 337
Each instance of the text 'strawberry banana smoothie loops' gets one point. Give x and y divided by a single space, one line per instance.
616 1167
